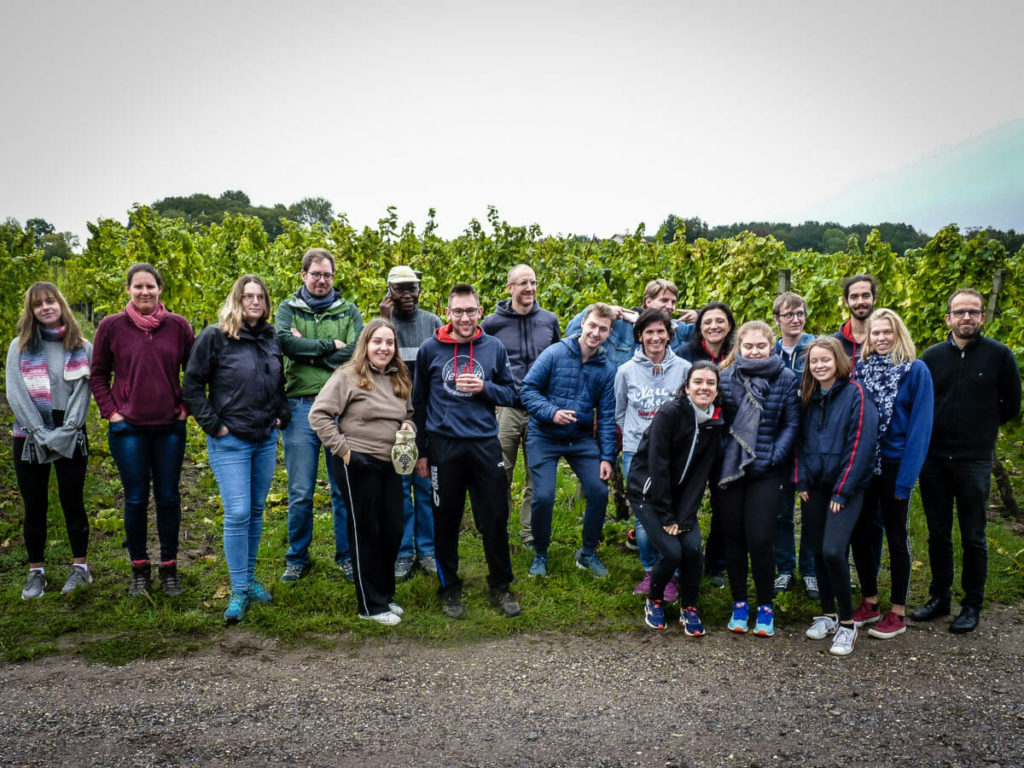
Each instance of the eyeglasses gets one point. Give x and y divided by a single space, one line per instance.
525 284
792 315
404 287
470 313
966 313
252 298
321 275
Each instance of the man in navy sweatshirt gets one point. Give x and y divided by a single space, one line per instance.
977 390
461 375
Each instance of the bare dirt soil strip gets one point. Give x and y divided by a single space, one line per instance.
926 698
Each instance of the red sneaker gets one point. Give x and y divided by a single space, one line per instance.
866 614
892 624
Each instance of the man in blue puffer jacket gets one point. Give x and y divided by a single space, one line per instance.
568 389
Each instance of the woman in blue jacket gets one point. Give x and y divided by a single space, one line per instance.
833 465
762 410
901 387
234 386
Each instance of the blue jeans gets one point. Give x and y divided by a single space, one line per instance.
785 537
585 459
302 460
648 555
418 514
244 472
143 453
943 482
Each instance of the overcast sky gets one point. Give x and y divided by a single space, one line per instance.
584 117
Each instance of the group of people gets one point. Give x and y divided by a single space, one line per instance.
414 413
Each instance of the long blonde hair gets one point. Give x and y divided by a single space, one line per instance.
751 326
359 366
28 327
903 350
232 313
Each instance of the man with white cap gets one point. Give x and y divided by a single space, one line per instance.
413 326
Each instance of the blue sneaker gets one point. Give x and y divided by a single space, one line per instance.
691 623
654 614
765 624
236 606
257 594
591 563
740 617
539 566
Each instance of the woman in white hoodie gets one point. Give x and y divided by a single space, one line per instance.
653 375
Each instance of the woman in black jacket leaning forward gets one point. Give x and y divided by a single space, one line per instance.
234 386
666 483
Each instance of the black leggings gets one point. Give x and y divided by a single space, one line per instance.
34 484
747 509
867 553
680 552
829 535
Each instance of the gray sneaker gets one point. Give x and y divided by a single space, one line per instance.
844 640
811 587
345 566
403 567
502 600
783 583
293 573
592 564
35 586
79 577
428 563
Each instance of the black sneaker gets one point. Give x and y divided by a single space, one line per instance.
502 600
451 605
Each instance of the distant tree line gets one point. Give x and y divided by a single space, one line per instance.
822 237
202 210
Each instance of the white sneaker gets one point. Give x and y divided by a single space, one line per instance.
396 609
387 618
822 627
845 638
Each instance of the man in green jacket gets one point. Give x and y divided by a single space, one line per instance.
317 330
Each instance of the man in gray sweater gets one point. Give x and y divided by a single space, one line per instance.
413 326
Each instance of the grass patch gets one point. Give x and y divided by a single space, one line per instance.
103 625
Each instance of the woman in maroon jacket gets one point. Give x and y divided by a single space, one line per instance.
138 357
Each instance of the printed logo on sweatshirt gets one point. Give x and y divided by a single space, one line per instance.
448 374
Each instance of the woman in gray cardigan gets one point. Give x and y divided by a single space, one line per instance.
48 390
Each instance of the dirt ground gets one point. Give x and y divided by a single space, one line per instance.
926 698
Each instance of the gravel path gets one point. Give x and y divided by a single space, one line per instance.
927 698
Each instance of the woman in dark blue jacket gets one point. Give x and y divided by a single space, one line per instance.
762 411
833 465
901 387
234 386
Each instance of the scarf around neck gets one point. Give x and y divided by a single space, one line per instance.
147 323
35 372
882 378
315 304
754 377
